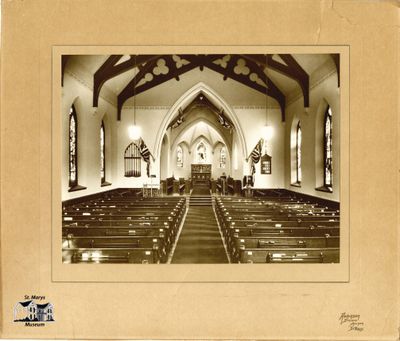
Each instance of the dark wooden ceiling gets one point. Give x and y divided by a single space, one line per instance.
229 66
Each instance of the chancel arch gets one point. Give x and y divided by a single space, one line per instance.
213 135
224 136
185 99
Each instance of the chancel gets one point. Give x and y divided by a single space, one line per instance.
200 158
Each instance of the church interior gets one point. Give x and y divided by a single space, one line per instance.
200 158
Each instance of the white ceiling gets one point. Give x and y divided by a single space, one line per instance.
200 129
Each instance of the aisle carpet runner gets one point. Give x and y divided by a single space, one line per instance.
200 240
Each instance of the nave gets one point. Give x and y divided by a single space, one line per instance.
123 227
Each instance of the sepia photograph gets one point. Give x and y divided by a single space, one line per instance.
199 170
200 158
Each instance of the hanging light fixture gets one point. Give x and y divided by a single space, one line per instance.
267 130
134 130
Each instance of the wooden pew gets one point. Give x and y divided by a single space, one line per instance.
230 186
121 229
252 228
273 241
182 185
169 182
299 233
121 242
168 228
111 255
292 255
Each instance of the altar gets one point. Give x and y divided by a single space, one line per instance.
201 171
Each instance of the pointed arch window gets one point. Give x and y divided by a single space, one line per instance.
328 148
201 152
179 156
102 153
298 153
132 161
73 151
222 158
73 148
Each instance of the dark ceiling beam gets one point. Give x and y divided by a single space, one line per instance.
201 59
173 72
271 87
291 69
102 75
300 76
230 65
336 60
271 91
171 64
111 69
131 88
64 60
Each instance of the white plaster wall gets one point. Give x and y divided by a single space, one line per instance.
238 159
164 158
89 122
250 118
321 95
149 119
217 171
185 171
251 121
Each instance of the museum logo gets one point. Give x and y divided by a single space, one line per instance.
33 311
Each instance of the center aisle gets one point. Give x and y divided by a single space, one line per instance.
200 240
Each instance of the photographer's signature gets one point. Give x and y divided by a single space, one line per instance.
353 321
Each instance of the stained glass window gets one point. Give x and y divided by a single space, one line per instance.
102 154
132 160
298 153
222 158
201 153
328 148
73 148
179 156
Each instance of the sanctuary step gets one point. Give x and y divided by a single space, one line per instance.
200 195
200 201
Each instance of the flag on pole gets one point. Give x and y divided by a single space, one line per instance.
255 155
145 153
